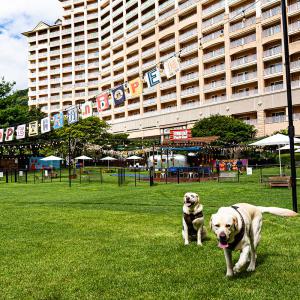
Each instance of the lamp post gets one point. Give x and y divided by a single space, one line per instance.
291 129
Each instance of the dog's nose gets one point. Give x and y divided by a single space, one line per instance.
222 236
187 198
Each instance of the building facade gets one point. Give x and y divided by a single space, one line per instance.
231 56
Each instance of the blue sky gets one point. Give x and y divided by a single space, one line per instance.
17 16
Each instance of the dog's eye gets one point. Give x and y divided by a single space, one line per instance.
217 225
228 225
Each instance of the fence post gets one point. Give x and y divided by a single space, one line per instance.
238 175
26 178
34 176
134 176
101 178
6 175
178 176
151 176
16 180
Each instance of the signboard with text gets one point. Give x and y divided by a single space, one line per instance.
180 134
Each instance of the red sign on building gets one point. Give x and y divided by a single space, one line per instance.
180 134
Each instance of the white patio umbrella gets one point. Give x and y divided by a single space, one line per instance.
287 147
134 158
83 158
276 139
51 158
108 159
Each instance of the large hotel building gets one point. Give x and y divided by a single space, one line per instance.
231 56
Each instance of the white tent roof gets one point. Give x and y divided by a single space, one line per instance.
83 157
277 139
108 158
134 157
287 147
51 158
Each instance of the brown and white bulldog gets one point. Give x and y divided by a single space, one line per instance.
238 227
193 219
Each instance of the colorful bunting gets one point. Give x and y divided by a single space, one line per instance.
152 77
58 120
1 135
135 87
102 102
45 125
33 128
118 95
171 66
72 114
86 110
21 129
9 134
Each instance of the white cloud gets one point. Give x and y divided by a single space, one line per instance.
17 16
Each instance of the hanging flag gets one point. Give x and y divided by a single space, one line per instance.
58 120
45 125
136 87
86 110
118 95
9 134
33 128
1 135
21 129
171 66
152 77
102 102
72 114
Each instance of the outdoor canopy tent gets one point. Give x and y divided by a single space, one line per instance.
83 158
108 158
276 140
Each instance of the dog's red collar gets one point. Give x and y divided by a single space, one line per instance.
241 233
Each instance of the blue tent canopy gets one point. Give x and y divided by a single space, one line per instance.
195 148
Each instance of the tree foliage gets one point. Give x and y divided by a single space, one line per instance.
14 106
229 129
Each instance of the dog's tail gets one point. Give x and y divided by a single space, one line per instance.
283 212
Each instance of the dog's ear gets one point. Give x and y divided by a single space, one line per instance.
210 222
198 198
235 223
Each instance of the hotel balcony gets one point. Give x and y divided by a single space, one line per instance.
190 92
214 85
271 12
294 27
167 84
189 63
213 8
243 41
295 65
191 33
214 69
214 54
294 8
189 77
271 31
276 119
243 24
168 97
243 78
273 52
244 94
212 36
244 61
242 11
274 69
206 25
274 87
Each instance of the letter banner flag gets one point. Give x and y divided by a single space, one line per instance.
86 110
136 87
1 135
153 77
21 130
118 95
45 125
102 102
58 120
9 134
33 128
171 66
72 114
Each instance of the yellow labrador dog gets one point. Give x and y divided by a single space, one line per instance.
193 219
238 228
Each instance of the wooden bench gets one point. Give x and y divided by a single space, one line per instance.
280 181
227 176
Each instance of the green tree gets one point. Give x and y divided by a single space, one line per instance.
229 129
14 107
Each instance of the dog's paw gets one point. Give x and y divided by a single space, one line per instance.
186 243
199 244
236 269
229 274
251 268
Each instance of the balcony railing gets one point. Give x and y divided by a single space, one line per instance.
273 51
244 94
243 77
276 119
243 41
189 62
271 31
274 87
168 83
294 7
214 69
190 76
213 8
214 84
190 91
193 32
212 36
243 24
213 20
294 26
214 53
295 64
273 69
244 60
168 97
271 12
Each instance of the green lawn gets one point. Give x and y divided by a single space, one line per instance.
98 241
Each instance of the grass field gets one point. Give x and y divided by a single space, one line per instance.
98 241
